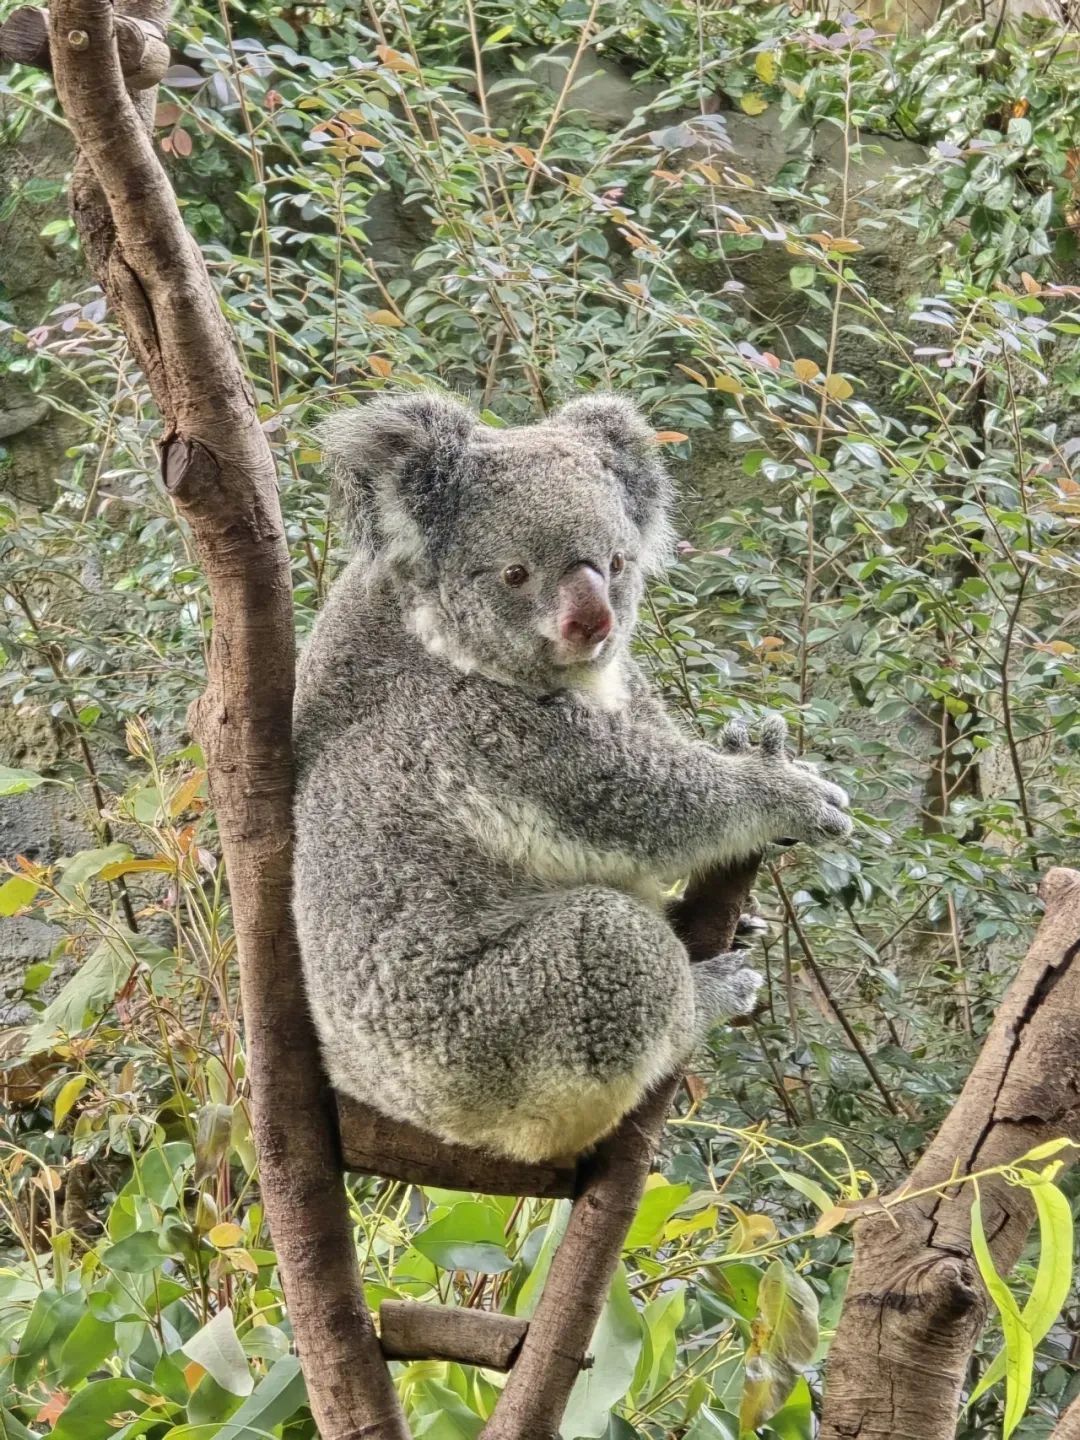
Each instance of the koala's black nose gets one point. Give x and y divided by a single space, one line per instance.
585 616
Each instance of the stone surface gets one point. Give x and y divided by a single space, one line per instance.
35 275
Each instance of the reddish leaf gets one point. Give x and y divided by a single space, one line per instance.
181 142
53 1407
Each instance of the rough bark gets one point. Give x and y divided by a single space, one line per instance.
553 1352
412 1330
1068 1427
218 467
915 1303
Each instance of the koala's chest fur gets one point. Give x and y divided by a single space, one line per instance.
520 835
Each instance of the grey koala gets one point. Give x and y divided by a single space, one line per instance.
490 801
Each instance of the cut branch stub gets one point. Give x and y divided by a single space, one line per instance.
142 46
915 1303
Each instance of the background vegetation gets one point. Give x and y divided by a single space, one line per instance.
879 540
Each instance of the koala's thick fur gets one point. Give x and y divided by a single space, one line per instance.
491 803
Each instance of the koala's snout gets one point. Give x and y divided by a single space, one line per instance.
585 619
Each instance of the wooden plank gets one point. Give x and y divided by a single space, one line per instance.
373 1145
409 1330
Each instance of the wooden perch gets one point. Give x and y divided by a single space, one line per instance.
220 471
915 1303
143 49
409 1330
373 1145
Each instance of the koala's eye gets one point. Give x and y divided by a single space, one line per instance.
515 575
618 563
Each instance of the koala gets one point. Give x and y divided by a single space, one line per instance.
491 805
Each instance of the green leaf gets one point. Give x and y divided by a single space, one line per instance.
69 1093
88 863
92 989
274 1400
810 1188
783 1343
528 1296
50 1315
17 782
470 1237
658 1204
1019 1348
615 1347
137 1254
16 893
212 1135
85 997
439 1413
796 1420
661 1318
216 1348
85 1348
738 1285
802 277
1052 1279
89 1411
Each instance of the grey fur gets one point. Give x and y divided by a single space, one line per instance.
484 835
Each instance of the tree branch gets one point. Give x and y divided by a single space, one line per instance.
218 466
915 1303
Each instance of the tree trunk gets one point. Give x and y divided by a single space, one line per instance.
915 1303
1068 1427
218 467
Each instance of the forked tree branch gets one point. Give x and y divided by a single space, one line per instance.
220 471
915 1303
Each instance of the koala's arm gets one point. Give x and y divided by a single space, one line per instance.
613 783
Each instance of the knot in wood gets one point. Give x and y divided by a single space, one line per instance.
189 470
78 39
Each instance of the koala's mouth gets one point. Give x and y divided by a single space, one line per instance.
566 655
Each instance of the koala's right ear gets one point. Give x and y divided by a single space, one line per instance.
395 461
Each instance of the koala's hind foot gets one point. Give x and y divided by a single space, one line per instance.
724 986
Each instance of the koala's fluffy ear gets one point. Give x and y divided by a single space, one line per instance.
395 461
617 426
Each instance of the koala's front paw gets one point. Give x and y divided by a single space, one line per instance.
799 804
735 985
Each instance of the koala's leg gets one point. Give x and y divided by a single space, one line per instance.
564 1021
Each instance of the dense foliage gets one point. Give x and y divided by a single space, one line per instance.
879 541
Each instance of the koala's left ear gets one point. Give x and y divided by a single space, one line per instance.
617 426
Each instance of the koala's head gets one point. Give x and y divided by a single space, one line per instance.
519 552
